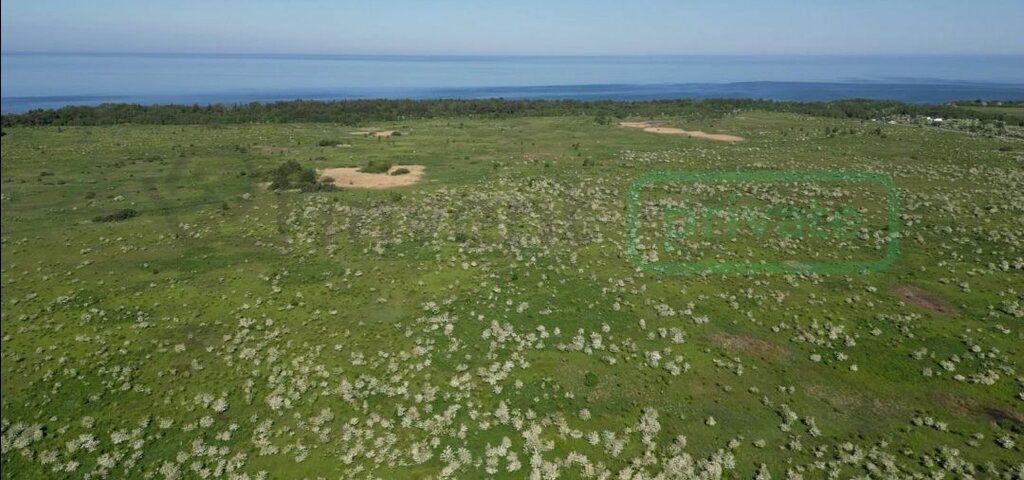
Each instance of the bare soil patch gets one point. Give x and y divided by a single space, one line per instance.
353 178
930 301
653 127
957 404
374 133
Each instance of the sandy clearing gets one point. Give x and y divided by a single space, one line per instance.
654 128
374 133
636 124
353 178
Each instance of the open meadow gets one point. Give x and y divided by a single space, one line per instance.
167 314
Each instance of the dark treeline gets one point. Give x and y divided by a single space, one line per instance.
354 112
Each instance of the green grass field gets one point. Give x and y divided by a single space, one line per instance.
487 322
1015 110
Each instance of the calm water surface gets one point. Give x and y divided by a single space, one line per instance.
53 80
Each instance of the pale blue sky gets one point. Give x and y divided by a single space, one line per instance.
521 27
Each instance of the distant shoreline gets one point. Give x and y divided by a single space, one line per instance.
604 112
909 92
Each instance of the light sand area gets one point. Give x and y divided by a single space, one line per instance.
654 128
372 132
353 178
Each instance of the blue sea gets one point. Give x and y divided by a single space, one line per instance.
52 80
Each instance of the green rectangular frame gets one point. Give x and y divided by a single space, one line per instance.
766 267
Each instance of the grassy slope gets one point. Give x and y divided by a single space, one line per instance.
127 321
1010 110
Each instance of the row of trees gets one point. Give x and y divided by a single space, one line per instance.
360 111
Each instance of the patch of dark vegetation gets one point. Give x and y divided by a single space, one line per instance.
965 406
118 216
325 184
374 166
400 171
291 175
355 112
1013 420
329 143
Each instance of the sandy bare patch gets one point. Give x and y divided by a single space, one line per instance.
654 128
353 178
636 124
374 133
930 301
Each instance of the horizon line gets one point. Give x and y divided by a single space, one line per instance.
500 55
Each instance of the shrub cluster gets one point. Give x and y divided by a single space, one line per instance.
289 175
324 185
377 167
120 215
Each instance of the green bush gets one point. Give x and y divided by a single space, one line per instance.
318 187
329 143
290 175
120 215
376 167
